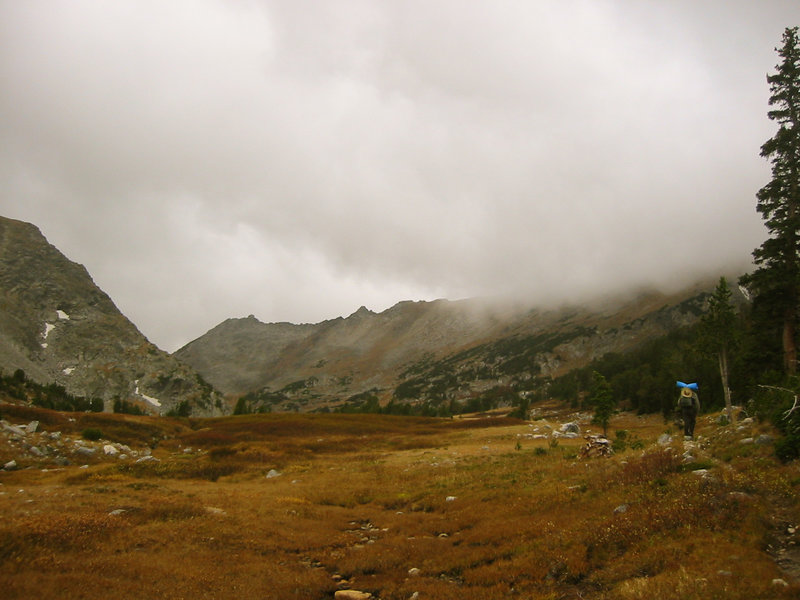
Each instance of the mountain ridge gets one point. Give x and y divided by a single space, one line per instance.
58 327
462 348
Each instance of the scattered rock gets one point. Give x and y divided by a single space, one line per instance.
10 465
85 451
570 428
32 427
110 450
12 429
664 439
596 446
779 583
414 572
450 499
273 473
117 512
622 508
764 440
746 441
725 573
148 458
351 595
741 496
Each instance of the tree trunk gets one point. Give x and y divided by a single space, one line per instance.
723 372
790 341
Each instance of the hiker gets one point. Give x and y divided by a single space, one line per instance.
689 405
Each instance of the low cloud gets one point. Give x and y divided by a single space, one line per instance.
214 159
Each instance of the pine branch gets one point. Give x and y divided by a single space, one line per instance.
782 389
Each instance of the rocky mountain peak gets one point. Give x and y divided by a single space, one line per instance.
57 326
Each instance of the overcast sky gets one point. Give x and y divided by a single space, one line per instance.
297 159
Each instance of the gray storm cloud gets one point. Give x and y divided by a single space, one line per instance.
296 160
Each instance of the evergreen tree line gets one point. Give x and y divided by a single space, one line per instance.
17 386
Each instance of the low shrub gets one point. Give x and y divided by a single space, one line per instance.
92 434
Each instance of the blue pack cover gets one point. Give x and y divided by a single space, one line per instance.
691 386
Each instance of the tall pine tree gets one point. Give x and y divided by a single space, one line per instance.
717 335
777 277
602 398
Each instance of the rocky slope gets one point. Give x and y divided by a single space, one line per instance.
427 351
59 327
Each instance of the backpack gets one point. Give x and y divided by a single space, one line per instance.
685 401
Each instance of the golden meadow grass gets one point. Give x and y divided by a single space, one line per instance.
394 506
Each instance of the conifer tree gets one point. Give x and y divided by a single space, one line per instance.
602 398
777 276
717 335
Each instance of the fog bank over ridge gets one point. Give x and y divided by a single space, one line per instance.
210 159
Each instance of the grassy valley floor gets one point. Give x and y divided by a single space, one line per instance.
300 506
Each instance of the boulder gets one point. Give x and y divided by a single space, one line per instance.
148 458
596 446
12 429
10 465
110 450
570 428
351 595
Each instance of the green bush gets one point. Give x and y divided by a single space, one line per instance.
92 434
